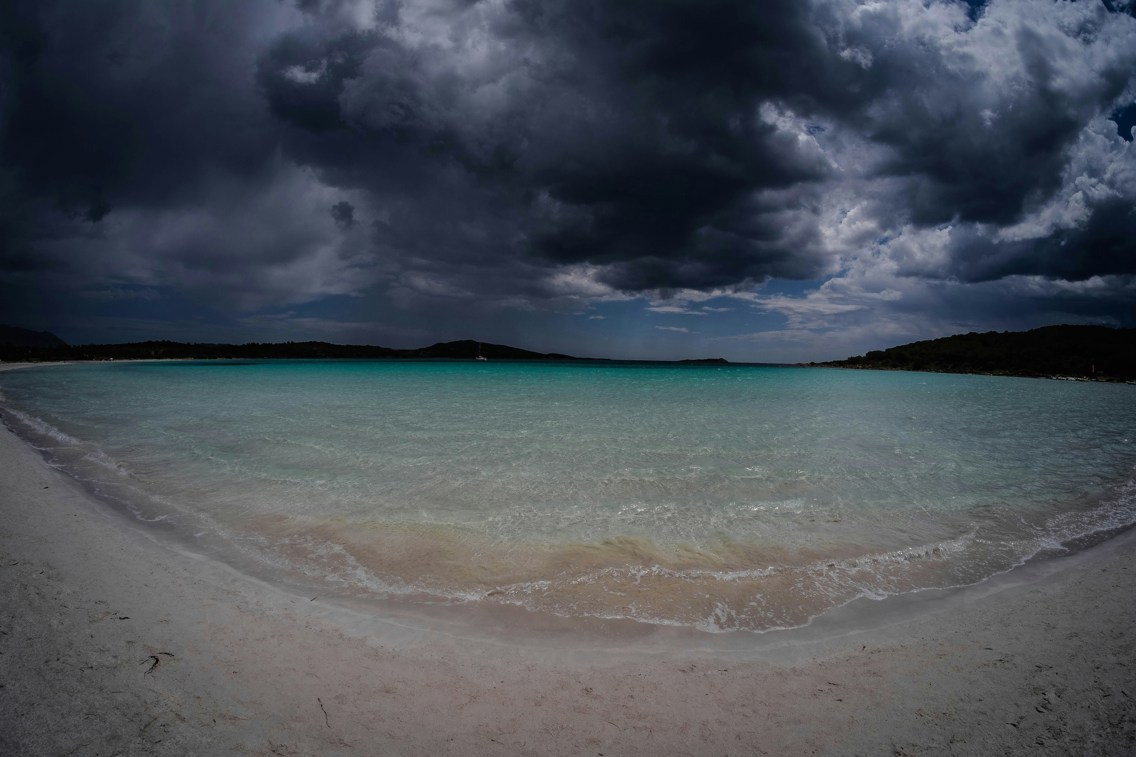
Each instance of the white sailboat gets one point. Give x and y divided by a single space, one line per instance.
479 357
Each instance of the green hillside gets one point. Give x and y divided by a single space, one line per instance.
1096 352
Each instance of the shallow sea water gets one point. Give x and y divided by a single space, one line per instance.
714 497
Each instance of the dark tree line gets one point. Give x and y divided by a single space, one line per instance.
1069 351
55 350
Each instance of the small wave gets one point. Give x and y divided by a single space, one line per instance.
43 428
57 441
760 598
103 460
720 620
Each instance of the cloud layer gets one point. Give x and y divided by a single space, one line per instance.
933 164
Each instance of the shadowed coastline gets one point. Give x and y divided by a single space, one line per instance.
24 345
1097 353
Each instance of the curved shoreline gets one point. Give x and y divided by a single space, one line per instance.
508 623
791 572
115 642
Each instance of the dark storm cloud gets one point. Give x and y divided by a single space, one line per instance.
344 214
302 76
971 149
266 153
112 109
125 102
634 136
963 169
658 160
1101 246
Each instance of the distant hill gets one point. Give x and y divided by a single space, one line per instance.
1094 352
15 337
59 350
468 348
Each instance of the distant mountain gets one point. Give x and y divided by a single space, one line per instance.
706 361
1094 352
16 337
468 349
461 350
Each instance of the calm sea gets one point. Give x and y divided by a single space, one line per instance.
715 497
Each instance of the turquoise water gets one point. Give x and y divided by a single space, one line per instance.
717 497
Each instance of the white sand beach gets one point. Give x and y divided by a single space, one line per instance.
113 642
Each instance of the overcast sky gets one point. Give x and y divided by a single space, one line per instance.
762 180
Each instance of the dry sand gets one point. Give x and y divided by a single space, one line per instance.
112 642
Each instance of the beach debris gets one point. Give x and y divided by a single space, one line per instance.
157 660
326 721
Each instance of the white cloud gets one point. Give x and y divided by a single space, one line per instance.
582 281
675 310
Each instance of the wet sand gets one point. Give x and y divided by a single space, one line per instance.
114 642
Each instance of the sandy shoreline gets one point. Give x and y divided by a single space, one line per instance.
114 643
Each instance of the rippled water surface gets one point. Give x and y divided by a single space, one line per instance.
718 497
